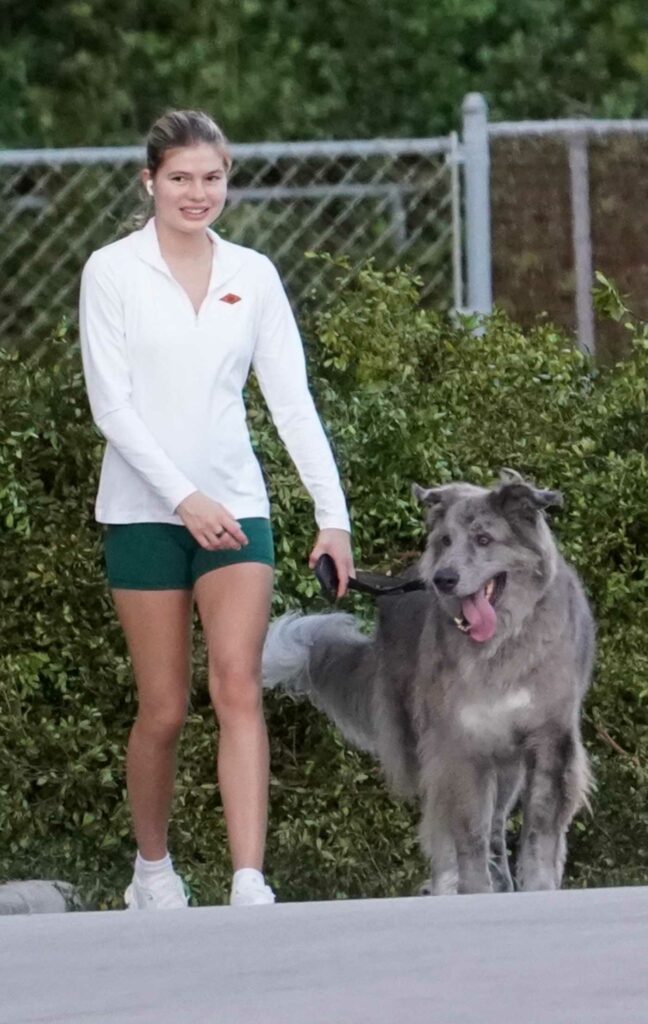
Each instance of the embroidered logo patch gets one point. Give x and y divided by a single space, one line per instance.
230 298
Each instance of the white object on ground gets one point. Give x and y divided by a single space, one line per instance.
38 896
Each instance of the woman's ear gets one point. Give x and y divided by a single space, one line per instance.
147 183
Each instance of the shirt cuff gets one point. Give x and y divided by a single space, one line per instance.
334 522
179 495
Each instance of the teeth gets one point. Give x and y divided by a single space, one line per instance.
462 625
489 588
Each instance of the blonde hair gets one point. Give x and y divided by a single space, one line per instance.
179 128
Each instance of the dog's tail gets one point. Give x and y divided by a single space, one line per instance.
326 658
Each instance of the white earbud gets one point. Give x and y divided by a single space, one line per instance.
149 187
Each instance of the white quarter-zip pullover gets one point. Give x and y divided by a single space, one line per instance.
165 384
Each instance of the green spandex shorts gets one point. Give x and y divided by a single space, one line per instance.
162 556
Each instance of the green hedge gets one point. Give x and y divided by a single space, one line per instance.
406 396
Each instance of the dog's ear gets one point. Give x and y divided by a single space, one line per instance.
541 499
443 495
429 495
510 476
515 496
435 499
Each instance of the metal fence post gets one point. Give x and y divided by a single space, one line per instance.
477 203
455 159
582 241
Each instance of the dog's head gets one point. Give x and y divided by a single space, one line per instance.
490 554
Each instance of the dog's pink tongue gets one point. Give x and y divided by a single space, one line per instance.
480 614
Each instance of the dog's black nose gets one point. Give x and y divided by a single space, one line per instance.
446 580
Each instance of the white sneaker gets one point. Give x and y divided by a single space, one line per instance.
249 890
165 893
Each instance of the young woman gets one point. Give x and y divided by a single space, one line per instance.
172 318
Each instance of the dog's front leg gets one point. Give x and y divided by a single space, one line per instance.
436 839
557 779
473 848
509 781
471 796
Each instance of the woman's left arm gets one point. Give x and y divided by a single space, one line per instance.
280 368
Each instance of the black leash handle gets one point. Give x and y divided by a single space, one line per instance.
374 584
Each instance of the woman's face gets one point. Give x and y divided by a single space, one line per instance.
189 187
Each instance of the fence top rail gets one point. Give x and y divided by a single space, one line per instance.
568 126
240 151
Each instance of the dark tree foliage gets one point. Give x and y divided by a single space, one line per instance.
93 72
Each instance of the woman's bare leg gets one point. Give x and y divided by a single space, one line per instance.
234 607
157 625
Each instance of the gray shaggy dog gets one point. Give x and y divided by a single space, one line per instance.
469 692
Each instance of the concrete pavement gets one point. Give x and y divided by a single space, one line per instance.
570 957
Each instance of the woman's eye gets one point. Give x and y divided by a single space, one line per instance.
483 539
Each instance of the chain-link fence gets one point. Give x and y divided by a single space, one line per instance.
564 197
396 201
567 198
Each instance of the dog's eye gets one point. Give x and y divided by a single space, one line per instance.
483 539
446 540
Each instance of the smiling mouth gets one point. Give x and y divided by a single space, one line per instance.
479 617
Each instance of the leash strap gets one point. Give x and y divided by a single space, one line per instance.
374 584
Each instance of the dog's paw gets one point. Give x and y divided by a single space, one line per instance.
444 884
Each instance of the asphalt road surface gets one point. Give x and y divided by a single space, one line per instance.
576 957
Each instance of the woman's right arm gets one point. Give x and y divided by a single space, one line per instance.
108 383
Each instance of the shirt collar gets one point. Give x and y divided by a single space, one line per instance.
227 257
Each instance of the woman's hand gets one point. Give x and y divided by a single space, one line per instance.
211 524
337 544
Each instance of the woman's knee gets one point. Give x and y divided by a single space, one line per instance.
162 722
235 695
